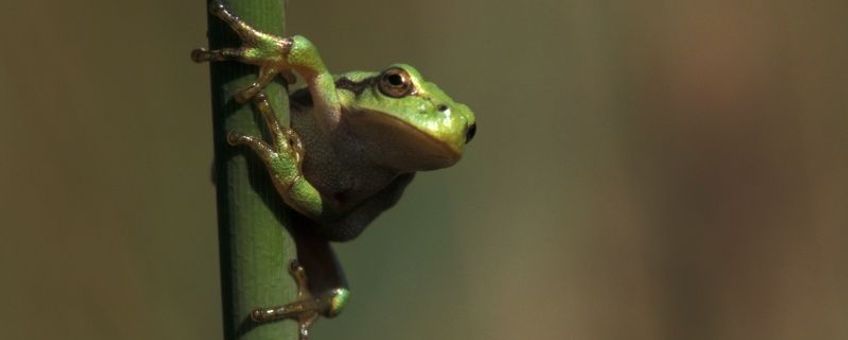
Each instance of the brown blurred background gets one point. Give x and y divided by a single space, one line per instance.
650 170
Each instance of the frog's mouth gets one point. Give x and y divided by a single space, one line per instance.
398 144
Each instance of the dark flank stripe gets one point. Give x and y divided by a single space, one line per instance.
302 98
354 86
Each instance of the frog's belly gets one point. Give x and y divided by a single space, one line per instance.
343 174
347 184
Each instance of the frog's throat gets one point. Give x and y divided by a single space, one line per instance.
402 143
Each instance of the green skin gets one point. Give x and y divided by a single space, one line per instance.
355 142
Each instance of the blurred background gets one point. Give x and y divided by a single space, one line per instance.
644 170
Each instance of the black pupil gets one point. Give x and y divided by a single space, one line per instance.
395 79
470 133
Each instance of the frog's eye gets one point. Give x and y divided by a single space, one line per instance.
469 133
395 82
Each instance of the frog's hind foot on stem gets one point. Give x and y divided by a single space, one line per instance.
307 308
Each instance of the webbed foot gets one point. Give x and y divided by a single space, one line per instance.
283 156
264 50
307 308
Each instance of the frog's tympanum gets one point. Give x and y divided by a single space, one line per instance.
354 142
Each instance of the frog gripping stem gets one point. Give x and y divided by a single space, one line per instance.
257 48
283 156
330 186
307 308
275 56
254 237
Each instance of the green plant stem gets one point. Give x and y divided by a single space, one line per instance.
255 246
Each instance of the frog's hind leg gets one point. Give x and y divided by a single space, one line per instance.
307 308
283 155
281 137
262 149
278 134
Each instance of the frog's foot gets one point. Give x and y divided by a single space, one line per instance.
283 160
285 140
283 156
307 308
261 49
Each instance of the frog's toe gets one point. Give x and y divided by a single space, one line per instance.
235 138
299 274
293 143
200 55
243 96
216 7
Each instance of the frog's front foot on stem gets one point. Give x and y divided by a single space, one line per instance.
307 308
258 48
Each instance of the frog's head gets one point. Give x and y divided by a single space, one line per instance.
409 123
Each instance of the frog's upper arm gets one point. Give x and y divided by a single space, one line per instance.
303 56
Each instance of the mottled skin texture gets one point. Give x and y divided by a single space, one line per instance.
355 141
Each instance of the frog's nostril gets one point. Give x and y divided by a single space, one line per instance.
442 107
469 133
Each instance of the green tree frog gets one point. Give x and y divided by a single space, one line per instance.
354 142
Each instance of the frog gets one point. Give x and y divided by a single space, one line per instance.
354 142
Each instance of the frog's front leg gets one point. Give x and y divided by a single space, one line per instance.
283 159
275 55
